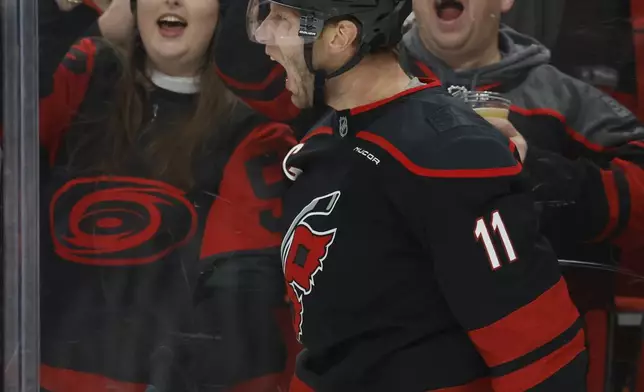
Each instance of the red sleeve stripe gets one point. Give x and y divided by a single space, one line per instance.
438 173
527 328
480 385
539 371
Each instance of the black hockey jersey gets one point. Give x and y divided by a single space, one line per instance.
414 261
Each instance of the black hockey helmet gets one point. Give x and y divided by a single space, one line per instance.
380 24
380 21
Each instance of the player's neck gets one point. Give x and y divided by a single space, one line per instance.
376 77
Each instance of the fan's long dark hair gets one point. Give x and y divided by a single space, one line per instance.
169 156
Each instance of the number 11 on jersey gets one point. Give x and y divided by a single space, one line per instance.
483 234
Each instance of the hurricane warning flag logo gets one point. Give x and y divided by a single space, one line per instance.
303 251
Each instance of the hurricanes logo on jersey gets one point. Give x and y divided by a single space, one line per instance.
303 252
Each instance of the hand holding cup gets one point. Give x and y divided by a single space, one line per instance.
495 109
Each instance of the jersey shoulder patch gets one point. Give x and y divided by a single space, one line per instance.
436 135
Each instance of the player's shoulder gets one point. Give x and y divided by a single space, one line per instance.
436 135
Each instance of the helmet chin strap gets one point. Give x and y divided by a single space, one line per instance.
321 76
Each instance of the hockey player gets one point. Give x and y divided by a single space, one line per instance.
586 149
413 258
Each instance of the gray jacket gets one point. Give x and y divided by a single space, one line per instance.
586 151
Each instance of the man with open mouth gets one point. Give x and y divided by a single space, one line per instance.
583 146
584 149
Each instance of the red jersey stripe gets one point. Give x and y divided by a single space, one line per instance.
539 371
524 330
439 173
373 105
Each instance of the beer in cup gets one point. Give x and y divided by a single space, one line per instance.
488 104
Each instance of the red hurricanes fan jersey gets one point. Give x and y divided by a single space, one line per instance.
144 283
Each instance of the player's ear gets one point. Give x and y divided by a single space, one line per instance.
344 36
506 5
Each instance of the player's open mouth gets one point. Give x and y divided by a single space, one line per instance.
449 10
172 25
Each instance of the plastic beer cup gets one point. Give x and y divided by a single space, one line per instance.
488 104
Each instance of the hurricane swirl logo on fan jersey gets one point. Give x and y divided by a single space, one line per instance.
117 221
303 252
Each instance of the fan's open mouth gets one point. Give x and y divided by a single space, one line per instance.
449 10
